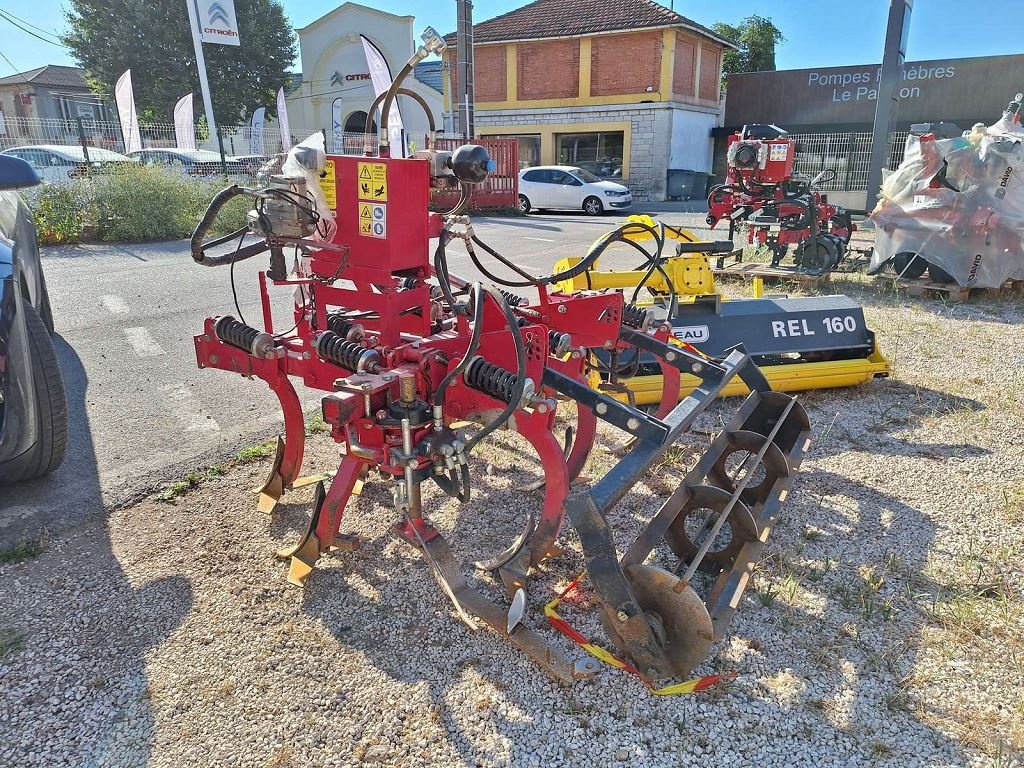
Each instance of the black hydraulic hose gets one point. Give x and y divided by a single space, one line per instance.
441 269
520 385
585 263
474 343
198 247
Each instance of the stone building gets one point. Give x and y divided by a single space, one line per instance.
628 90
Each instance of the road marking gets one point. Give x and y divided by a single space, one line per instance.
189 412
539 239
115 305
143 343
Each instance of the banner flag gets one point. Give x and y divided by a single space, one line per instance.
337 127
380 74
282 121
256 131
184 123
124 97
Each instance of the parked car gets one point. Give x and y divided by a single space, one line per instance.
33 403
59 162
569 188
191 162
251 164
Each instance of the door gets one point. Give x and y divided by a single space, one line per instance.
534 184
566 191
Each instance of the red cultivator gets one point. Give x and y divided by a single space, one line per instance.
404 351
776 210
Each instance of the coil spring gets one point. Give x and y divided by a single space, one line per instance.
513 300
345 328
635 317
558 343
333 347
236 333
491 379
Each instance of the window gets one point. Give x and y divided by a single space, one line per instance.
529 148
356 123
599 153
565 179
538 177
587 176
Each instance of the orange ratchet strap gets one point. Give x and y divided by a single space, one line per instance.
561 625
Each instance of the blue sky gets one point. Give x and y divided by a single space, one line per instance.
818 33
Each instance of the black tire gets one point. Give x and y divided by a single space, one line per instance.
592 206
939 275
524 204
46 311
51 407
909 265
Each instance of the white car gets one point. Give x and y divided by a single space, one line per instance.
191 162
570 188
59 162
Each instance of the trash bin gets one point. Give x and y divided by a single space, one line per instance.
685 185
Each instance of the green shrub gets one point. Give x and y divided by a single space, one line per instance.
131 204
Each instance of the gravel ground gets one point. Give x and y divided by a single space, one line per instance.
884 628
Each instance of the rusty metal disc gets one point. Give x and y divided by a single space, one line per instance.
677 614
772 466
685 539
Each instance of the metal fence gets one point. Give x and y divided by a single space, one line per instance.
848 154
26 131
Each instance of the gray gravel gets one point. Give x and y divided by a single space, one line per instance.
883 629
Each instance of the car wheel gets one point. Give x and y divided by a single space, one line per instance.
51 407
524 204
593 207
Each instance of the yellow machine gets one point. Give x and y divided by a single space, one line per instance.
818 342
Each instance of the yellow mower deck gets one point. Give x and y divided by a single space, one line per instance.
692 278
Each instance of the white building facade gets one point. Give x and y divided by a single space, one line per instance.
336 91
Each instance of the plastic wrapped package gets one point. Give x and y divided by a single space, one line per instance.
958 204
308 159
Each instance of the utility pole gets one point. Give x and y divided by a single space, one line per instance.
204 83
888 93
464 68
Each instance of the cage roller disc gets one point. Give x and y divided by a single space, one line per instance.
685 541
679 618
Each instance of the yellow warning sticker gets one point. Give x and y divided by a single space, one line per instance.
373 181
373 220
328 184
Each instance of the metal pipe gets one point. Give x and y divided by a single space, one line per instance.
464 68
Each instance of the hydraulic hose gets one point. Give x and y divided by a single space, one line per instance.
520 385
474 343
199 247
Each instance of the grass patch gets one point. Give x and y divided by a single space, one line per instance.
11 641
26 550
256 452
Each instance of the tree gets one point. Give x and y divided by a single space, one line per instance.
152 38
757 37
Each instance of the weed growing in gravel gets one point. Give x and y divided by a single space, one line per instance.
315 425
192 480
11 641
256 452
26 550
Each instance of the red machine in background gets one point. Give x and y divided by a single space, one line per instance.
403 351
776 209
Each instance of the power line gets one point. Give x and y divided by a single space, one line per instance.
29 31
30 24
19 74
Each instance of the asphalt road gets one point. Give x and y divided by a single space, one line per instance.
142 414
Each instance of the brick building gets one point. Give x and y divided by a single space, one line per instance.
626 89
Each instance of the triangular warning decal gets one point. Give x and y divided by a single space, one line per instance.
364 212
364 172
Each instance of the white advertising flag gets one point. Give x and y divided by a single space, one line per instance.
282 121
124 97
217 21
380 74
256 131
184 123
337 127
